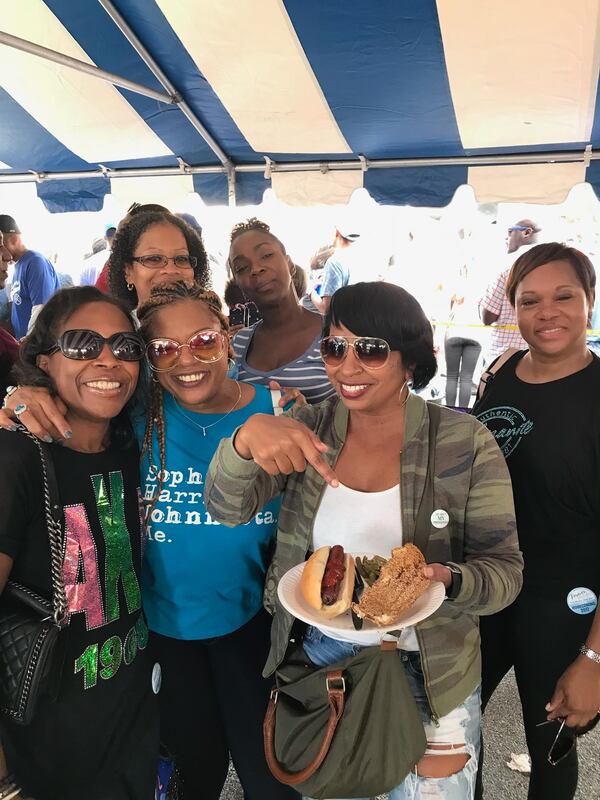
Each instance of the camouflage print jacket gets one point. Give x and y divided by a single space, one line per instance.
471 483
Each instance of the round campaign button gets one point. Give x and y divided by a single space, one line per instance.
156 678
440 518
582 600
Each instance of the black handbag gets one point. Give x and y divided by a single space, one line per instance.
30 624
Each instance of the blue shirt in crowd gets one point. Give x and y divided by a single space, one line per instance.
200 578
34 282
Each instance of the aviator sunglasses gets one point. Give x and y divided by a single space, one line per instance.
206 346
371 351
86 345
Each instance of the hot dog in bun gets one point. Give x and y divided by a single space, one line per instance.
327 581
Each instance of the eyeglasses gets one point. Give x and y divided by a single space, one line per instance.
206 346
518 228
156 261
86 345
371 351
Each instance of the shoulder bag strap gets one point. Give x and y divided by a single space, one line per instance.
426 507
495 367
336 690
54 516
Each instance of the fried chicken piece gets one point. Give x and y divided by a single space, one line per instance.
400 583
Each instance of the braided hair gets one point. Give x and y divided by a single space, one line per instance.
125 242
254 224
161 297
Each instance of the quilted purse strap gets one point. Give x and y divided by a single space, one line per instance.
54 515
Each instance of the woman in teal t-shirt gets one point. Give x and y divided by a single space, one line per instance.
203 582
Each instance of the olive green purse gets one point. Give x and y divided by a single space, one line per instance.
350 729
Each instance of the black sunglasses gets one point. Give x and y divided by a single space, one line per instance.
85 345
565 738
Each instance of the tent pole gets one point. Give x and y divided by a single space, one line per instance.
305 166
160 76
81 66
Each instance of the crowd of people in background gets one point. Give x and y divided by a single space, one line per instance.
249 439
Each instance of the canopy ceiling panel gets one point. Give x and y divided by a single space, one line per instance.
230 97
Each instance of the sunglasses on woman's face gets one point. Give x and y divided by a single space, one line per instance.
371 351
86 345
206 346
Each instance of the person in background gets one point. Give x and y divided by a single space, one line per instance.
315 276
8 345
341 268
284 345
461 348
96 736
34 279
542 406
154 248
95 263
494 307
134 208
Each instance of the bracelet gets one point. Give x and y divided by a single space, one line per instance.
584 650
9 390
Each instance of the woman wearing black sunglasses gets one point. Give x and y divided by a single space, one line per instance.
95 730
352 472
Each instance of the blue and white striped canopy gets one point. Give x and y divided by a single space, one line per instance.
314 98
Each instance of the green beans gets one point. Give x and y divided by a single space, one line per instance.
369 568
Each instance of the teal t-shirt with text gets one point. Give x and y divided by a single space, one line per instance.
200 579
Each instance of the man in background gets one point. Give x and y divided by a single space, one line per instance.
494 307
34 279
8 345
340 268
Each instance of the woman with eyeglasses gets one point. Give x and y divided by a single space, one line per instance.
542 406
155 248
94 733
352 472
284 344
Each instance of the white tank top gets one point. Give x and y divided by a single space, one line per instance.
361 522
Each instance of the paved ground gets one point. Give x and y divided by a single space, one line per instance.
503 734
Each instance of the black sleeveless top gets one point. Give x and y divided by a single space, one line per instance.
549 434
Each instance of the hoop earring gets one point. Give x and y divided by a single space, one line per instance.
155 379
130 287
404 386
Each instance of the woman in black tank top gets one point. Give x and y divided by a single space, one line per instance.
542 407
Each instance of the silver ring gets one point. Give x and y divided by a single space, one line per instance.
9 390
20 409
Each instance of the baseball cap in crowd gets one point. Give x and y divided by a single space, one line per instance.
8 224
348 231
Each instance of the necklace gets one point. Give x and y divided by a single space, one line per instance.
204 428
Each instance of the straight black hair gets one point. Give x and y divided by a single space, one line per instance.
391 313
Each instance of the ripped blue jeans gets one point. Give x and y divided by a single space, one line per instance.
462 724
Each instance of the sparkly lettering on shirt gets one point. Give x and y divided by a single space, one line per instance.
119 558
81 560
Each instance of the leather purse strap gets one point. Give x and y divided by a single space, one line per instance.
54 515
336 692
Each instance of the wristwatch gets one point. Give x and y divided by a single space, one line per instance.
453 590
586 651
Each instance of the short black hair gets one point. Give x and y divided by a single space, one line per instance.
552 251
125 242
391 313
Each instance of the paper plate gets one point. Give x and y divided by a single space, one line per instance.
292 600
